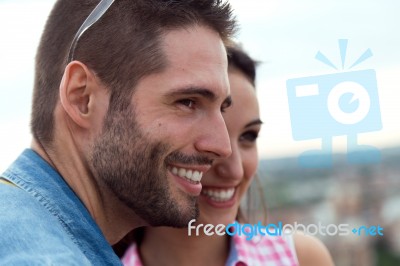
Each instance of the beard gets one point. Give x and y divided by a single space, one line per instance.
134 168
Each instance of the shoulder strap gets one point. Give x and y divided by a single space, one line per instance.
290 240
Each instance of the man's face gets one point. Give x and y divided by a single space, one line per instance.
153 155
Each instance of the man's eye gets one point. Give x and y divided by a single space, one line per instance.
187 102
226 104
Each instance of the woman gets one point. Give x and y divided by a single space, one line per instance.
224 186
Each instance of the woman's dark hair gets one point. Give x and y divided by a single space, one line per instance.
239 60
253 207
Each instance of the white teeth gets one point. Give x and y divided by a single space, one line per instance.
220 194
189 174
174 170
182 172
197 175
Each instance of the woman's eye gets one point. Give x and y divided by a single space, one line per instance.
187 102
250 136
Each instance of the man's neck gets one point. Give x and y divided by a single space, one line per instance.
113 217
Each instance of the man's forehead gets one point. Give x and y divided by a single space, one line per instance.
181 45
197 57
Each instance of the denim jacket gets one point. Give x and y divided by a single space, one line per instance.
43 222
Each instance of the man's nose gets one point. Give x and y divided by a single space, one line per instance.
214 139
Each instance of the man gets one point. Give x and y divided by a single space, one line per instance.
126 118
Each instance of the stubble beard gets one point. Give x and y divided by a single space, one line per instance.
134 168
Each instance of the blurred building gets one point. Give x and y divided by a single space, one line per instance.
357 195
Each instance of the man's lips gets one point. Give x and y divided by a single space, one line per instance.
189 177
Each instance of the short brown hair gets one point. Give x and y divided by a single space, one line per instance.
122 47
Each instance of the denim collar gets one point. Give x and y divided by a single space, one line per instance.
33 174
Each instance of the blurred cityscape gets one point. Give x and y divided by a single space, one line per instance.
358 195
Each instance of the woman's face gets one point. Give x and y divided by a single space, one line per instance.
225 184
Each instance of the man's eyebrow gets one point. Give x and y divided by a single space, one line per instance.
254 122
193 91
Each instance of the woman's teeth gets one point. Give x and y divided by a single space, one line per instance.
191 175
219 195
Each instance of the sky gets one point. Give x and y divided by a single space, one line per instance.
284 35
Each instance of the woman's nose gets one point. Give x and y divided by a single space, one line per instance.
231 167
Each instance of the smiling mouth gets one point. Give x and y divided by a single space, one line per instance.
191 175
219 195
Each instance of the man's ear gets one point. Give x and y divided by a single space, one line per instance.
76 90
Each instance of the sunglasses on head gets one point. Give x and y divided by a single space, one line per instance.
93 17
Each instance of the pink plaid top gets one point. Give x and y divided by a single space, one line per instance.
260 251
